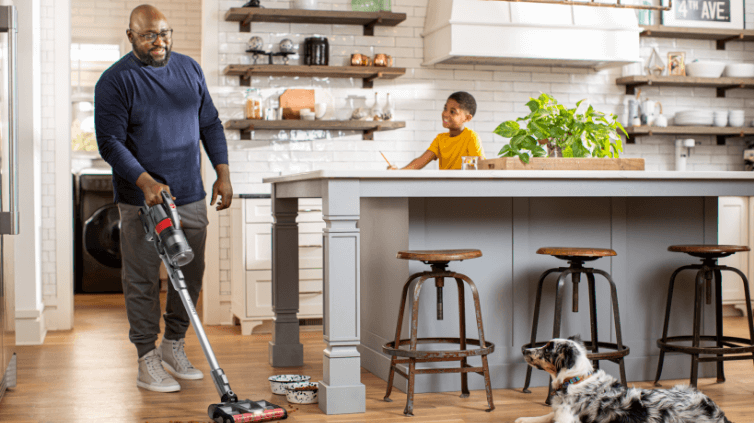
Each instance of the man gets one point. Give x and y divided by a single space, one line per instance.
151 111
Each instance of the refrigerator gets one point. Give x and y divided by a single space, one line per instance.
8 182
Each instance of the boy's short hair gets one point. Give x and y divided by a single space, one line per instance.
465 100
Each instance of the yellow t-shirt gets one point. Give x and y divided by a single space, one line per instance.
449 150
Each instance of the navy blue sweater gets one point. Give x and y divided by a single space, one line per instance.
151 119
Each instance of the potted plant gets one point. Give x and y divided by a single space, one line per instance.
563 131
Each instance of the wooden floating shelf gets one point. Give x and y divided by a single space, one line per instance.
722 84
368 127
720 132
246 15
367 73
722 36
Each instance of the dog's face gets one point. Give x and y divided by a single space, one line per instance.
557 356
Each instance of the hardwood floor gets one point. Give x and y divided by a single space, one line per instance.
88 375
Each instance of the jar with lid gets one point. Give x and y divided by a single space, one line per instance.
253 109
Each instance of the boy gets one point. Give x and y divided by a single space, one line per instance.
458 142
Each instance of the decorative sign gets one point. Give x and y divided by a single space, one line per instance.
705 14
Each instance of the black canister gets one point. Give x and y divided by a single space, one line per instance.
316 51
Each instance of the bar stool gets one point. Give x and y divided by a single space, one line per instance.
438 260
576 258
708 270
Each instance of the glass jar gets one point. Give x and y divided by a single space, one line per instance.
376 112
253 104
389 111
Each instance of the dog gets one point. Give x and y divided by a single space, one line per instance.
581 395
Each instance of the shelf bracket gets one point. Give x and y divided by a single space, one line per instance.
721 90
631 88
721 43
721 139
245 24
246 79
369 133
246 132
631 139
369 80
369 28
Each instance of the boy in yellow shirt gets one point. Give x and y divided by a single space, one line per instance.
458 142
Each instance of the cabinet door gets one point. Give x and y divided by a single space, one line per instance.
733 229
259 293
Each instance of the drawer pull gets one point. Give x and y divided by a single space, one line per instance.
309 210
309 292
310 246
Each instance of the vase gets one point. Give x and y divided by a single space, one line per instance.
376 112
389 111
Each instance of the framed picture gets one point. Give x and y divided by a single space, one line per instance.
677 63
728 14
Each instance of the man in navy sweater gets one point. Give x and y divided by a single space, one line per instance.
152 110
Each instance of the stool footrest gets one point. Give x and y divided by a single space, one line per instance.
445 355
614 354
730 341
478 370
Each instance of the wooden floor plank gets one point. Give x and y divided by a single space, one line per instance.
88 375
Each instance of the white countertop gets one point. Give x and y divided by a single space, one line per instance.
513 174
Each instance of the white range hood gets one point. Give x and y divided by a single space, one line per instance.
476 32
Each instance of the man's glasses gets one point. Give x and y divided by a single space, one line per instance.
150 37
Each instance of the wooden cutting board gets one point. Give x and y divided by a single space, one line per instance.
561 163
293 100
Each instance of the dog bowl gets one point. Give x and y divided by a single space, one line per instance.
705 69
302 393
278 383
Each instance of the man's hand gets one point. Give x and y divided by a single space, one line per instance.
152 189
222 188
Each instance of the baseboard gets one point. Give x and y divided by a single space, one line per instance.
30 327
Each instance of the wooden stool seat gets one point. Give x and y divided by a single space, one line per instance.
439 256
580 254
710 251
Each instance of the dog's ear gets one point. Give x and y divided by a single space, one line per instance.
576 338
565 357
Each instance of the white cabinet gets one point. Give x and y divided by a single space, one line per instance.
735 221
251 262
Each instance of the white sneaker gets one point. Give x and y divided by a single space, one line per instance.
152 375
175 360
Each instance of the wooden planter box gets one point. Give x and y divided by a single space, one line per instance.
561 163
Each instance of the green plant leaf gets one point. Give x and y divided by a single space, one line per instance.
524 157
507 129
534 105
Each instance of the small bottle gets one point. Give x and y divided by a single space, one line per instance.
389 111
376 112
253 104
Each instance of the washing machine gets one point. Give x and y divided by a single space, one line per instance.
98 260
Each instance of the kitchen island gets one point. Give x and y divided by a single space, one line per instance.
371 215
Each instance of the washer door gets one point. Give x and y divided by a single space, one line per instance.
102 236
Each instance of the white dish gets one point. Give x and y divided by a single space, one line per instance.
740 70
705 69
302 393
278 383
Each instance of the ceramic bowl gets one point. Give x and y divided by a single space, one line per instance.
705 69
740 70
302 393
278 383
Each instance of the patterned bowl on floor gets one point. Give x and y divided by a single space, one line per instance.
278 383
302 393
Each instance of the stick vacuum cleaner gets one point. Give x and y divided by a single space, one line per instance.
163 226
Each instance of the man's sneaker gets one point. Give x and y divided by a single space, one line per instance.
153 376
175 361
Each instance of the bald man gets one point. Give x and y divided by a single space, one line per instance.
152 111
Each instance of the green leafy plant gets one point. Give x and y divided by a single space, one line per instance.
552 124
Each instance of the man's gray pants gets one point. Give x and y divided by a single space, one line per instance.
141 276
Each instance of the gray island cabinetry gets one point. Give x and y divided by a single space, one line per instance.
371 215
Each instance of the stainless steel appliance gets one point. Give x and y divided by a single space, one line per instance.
9 155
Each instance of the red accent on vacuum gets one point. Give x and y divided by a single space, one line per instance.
264 416
166 223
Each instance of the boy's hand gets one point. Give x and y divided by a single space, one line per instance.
391 167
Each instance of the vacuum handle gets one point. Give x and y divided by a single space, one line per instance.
168 201
9 221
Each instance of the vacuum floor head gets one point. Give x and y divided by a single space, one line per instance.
246 411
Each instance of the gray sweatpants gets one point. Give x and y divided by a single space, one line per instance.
141 276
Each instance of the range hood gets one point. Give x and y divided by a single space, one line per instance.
475 32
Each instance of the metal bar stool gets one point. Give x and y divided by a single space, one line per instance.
439 260
708 270
576 258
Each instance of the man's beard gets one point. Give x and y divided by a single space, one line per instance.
147 58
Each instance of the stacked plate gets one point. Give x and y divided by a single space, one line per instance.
694 118
721 118
736 118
